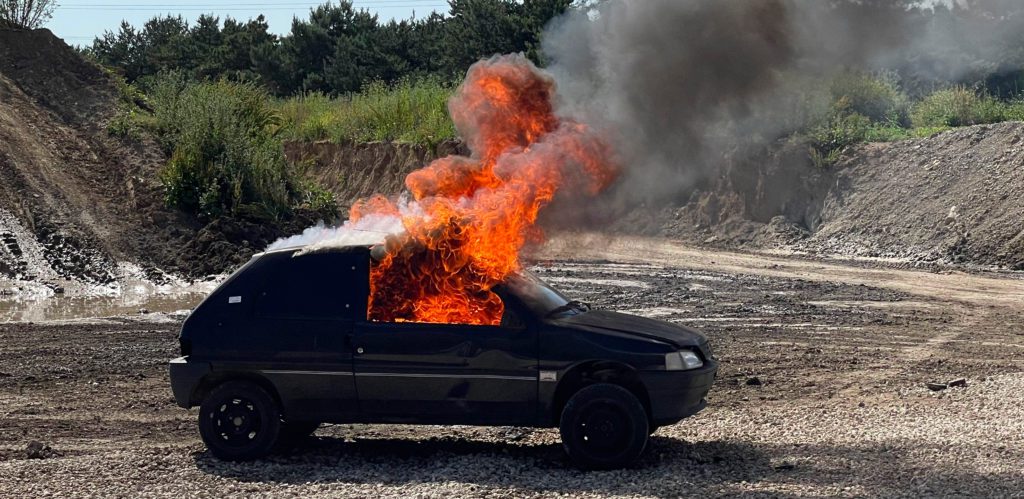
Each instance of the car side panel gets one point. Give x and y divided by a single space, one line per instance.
445 373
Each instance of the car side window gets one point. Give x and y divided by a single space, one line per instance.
511 320
313 286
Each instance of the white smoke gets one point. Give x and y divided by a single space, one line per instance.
367 231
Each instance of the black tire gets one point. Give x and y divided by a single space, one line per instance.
239 421
604 426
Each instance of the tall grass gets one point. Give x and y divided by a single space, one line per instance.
873 108
226 155
960 106
407 111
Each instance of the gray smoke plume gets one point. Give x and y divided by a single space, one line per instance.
680 83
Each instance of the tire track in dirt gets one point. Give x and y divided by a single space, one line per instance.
974 300
950 286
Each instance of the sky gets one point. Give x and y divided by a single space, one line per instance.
78 21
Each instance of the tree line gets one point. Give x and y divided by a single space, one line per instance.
337 49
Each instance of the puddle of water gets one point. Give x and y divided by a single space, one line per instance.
751 320
876 304
655 312
131 298
63 308
599 282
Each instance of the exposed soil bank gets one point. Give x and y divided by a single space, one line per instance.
354 171
81 211
949 199
954 198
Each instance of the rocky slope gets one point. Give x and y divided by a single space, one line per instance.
953 198
73 201
81 210
956 197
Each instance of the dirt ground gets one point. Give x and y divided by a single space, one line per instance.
821 392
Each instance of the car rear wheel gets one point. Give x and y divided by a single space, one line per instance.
604 426
239 421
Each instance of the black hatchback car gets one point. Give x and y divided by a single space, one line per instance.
283 345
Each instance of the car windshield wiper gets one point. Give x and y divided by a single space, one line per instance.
572 305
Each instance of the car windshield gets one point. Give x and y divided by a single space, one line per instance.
540 297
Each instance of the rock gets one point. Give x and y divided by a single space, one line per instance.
957 382
38 450
936 386
753 381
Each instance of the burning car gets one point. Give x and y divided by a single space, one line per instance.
288 342
438 323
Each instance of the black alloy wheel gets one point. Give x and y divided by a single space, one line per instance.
604 426
239 421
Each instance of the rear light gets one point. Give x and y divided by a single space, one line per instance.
186 347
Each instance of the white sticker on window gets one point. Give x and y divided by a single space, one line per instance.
234 299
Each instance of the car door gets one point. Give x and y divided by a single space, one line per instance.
447 373
304 316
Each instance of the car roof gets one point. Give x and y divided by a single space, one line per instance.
326 249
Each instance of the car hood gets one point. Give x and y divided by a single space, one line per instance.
680 336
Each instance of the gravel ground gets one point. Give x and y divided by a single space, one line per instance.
822 392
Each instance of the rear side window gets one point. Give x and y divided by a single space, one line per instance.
315 286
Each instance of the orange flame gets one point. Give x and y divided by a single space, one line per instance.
474 215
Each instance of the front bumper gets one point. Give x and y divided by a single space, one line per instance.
675 395
185 378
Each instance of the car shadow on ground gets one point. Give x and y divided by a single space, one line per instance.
669 466
538 467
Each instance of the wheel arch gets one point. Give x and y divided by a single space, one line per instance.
598 371
217 378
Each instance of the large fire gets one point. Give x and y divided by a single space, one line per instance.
474 215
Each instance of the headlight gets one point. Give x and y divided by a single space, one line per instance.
682 360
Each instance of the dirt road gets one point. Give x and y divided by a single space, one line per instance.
822 392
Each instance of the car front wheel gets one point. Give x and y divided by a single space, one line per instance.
604 426
239 421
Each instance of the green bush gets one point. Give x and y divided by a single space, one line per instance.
408 111
125 124
226 153
128 121
958 106
1015 110
831 137
877 97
